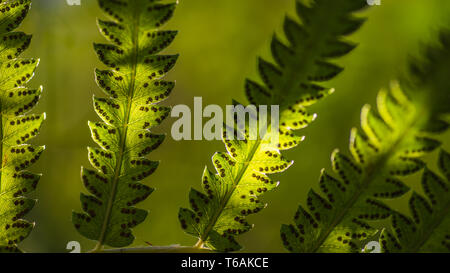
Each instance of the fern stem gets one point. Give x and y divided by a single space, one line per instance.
123 133
160 249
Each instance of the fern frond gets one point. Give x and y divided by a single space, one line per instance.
134 88
17 127
429 228
241 177
389 146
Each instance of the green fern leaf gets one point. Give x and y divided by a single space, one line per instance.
134 87
389 146
17 127
429 230
232 193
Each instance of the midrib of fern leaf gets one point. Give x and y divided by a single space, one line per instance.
16 127
389 146
123 131
134 87
232 192
429 228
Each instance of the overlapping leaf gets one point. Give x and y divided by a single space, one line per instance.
389 146
134 87
241 176
17 127
429 228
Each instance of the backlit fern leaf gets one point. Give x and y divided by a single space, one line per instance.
429 228
388 146
17 127
134 88
241 177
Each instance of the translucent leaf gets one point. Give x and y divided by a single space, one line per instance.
389 146
13 13
256 93
133 87
13 44
16 128
242 174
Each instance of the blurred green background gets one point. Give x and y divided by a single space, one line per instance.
218 41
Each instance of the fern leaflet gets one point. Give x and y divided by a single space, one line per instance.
134 88
17 127
389 146
429 230
241 173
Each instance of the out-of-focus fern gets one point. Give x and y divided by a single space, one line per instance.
134 88
389 146
16 127
233 192
429 230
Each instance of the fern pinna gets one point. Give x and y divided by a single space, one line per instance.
16 126
232 193
134 88
429 228
388 147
